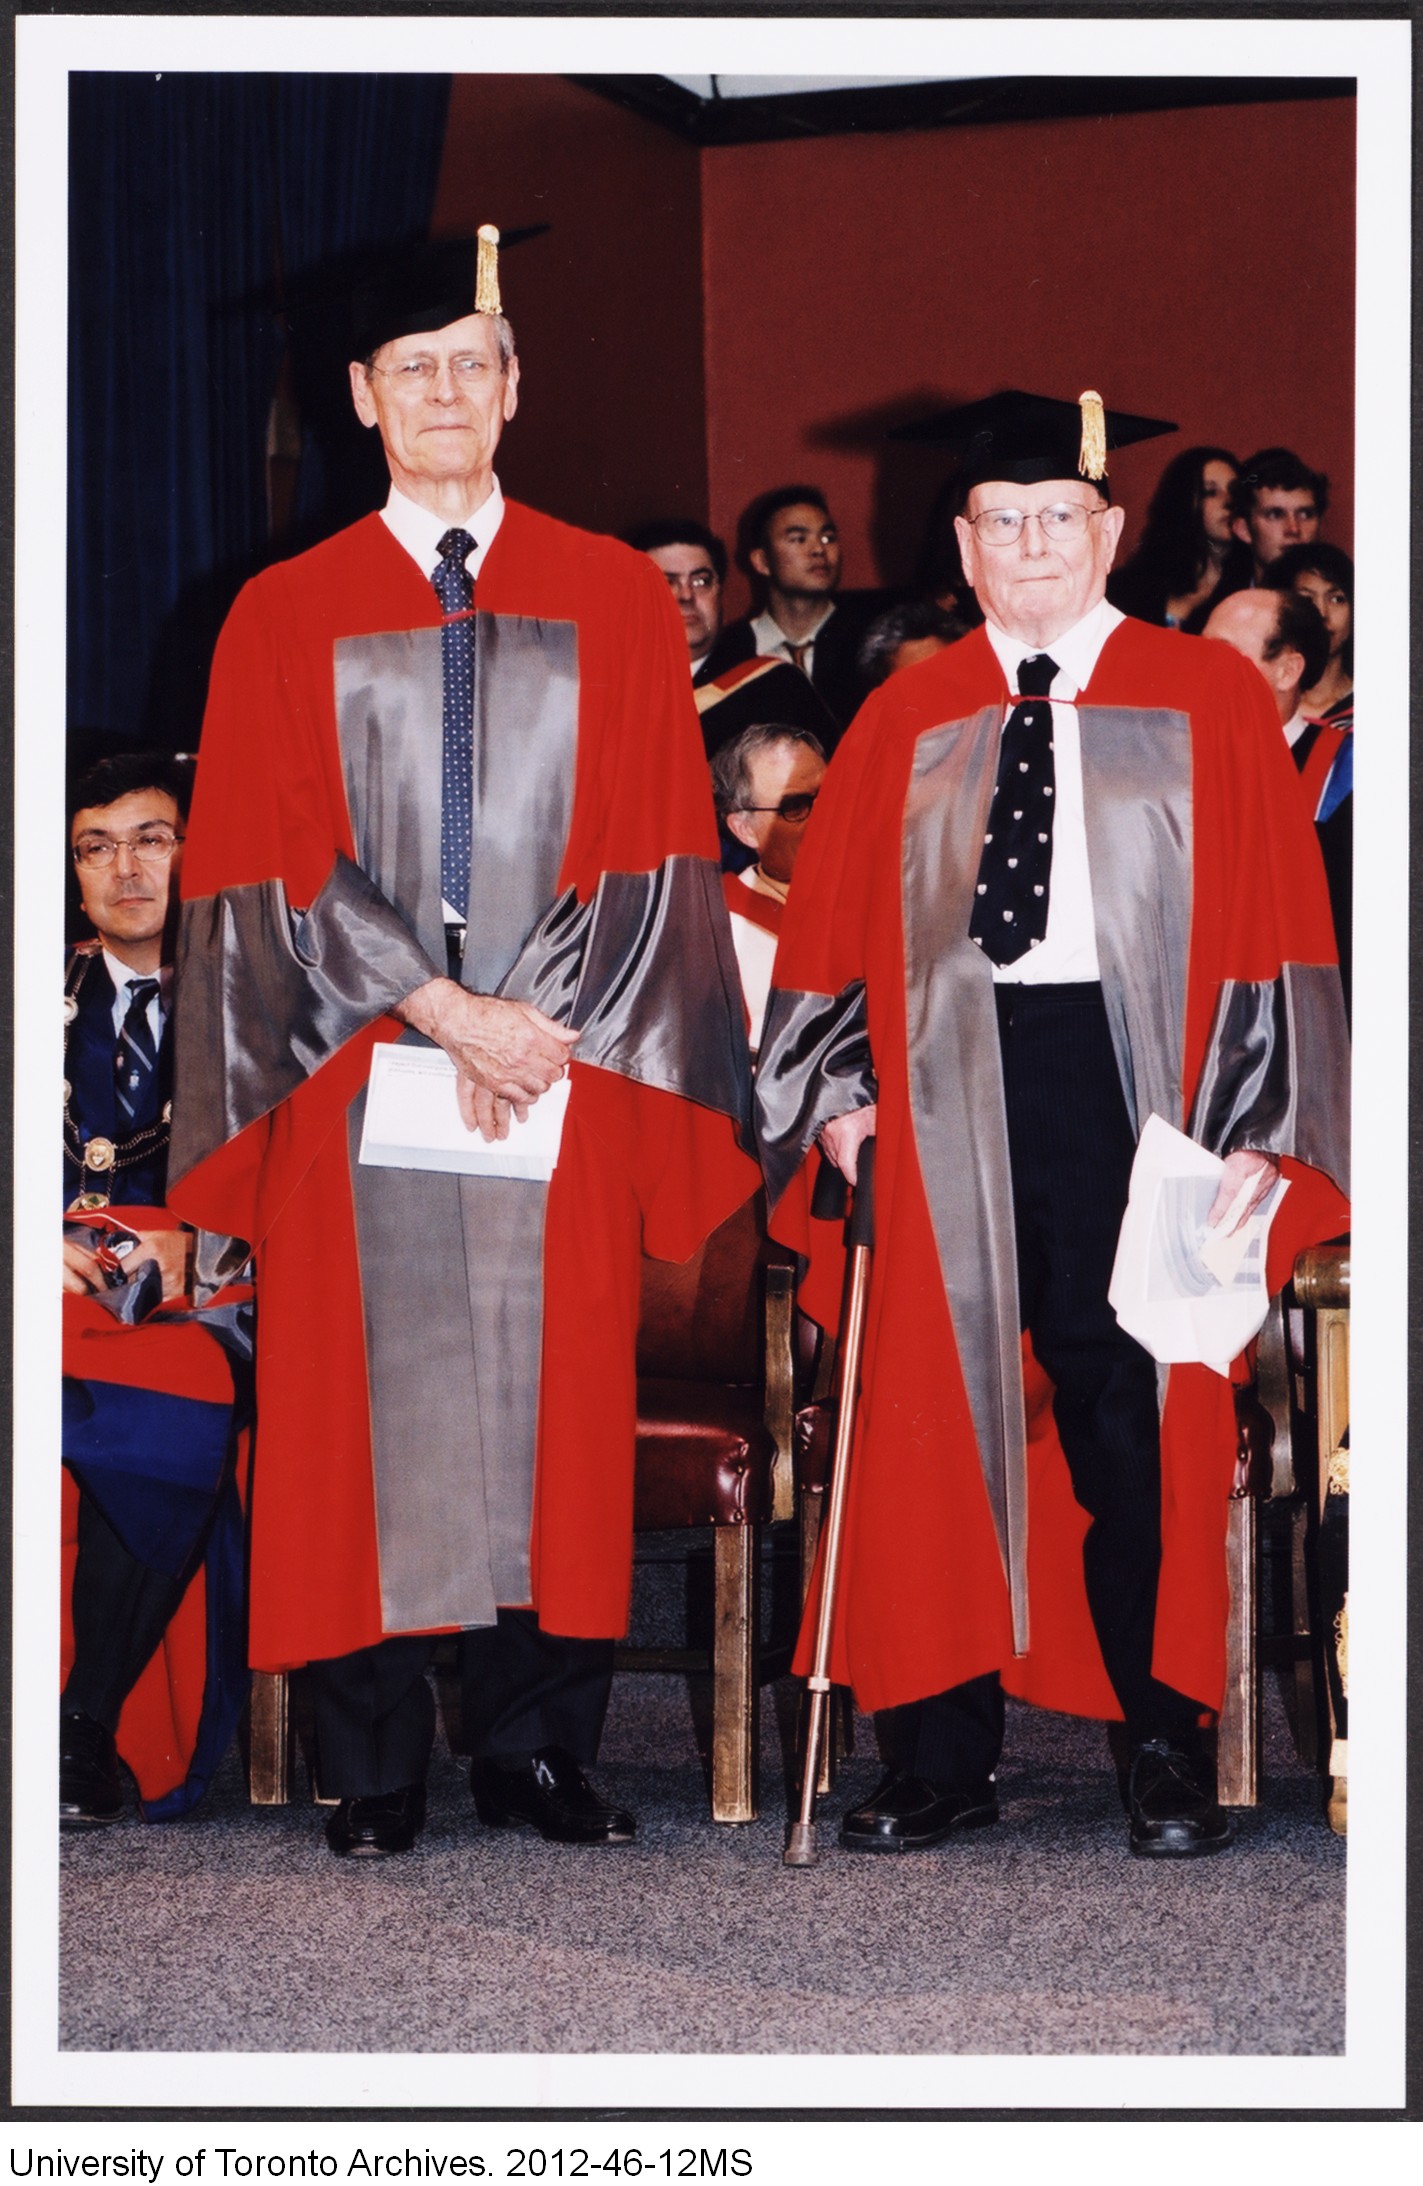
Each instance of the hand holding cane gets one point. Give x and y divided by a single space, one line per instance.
829 1200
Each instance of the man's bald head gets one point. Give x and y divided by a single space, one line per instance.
1288 647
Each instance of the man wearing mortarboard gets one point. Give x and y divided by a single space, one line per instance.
451 793
1056 882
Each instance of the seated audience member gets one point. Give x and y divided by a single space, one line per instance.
154 1547
693 560
1325 574
765 783
1184 541
915 630
790 545
731 690
1276 502
1284 634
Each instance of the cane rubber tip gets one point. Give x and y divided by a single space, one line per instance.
800 1845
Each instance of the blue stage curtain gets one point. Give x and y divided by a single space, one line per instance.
188 193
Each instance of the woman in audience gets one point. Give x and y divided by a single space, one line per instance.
1184 540
1326 575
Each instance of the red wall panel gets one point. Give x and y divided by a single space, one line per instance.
698 326
607 306
1194 265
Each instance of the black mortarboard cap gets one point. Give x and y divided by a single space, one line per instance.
415 290
1028 438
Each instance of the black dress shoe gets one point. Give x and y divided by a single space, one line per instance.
1172 1804
907 1813
90 1792
551 1794
374 1827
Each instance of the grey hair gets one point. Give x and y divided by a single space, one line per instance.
503 336
731 766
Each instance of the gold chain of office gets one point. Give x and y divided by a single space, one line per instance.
99 1158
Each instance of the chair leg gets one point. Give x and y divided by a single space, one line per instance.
734 1674
271 1739
1238 1744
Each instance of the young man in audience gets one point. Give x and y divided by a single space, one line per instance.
1276 502
791 549
155 1637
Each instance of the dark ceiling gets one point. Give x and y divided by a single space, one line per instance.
943 104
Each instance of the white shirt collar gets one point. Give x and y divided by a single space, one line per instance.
1295 728
769 634
121 973
1076 651
420 532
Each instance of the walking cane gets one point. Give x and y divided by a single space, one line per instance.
800 1841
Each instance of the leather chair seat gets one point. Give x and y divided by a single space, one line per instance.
813 1444
703 1456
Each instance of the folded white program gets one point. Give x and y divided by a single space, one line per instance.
1187 1291
413 1121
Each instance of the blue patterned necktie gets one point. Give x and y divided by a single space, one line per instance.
136 1059
454 588
1015 871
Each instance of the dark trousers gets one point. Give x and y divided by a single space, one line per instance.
520 1689
1070 1147
120 1610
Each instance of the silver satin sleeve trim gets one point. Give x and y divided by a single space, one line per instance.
1276 1075
266 995
646 972
814 1065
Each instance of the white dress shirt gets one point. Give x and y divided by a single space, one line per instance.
1068 950
773 644
160 1004
420 533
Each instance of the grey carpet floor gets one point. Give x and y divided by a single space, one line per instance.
237 1930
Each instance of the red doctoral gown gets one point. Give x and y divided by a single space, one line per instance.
275 1038
963 1543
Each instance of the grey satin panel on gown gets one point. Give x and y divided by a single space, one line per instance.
956 1101
647 972
452 1267
1276 1075
815 1065
266 995
1137 795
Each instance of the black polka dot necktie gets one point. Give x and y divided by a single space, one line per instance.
454 588
136 1059
1015 870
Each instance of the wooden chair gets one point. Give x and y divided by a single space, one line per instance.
715 1408
1294 1467
716 1364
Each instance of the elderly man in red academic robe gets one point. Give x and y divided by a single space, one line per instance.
1058 880
451 793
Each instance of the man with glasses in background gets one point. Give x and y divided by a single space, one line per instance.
1059 880
733 689
764 785
153 1628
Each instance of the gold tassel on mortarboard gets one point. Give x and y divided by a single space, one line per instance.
1092 463
486 276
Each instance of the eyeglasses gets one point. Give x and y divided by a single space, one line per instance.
151 845
416 373
795 808
700 580
1064 520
